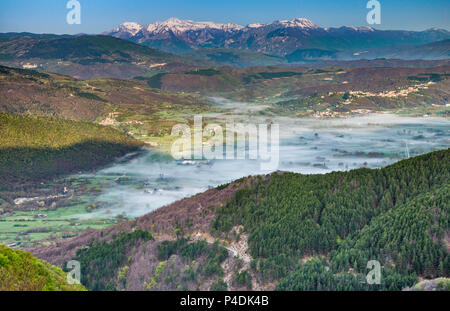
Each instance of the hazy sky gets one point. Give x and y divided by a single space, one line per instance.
49 16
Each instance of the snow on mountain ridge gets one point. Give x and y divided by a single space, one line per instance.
298 22
178 26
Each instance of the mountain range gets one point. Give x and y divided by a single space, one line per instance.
279 38
132 50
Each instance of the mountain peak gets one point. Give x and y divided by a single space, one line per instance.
130 27
298 22
354 28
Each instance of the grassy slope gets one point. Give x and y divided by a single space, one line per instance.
20 271
306 91
62 96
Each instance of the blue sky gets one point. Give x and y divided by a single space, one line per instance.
49 16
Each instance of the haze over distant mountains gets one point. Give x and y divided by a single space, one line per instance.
300 37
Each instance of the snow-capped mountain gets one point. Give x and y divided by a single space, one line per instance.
126 30
278 38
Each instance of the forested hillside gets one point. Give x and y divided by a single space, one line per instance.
408 240
397 215
34 149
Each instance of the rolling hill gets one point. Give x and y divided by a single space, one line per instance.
121 103
82 56
233 57
36 149
151 104
329 91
